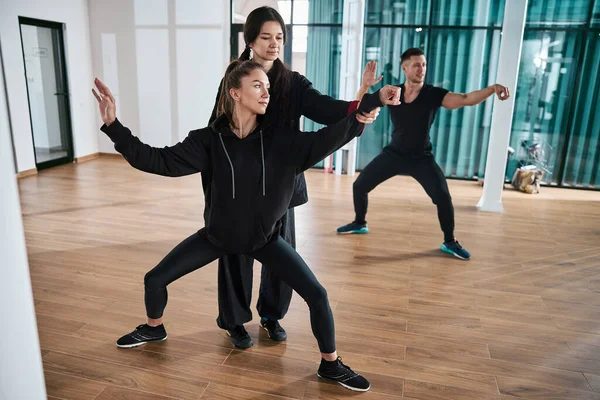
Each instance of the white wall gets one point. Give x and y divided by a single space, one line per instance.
73 13
163 60
21 374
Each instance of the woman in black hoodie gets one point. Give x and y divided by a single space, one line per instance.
253 167
292 96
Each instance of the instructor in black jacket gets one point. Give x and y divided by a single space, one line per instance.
292 96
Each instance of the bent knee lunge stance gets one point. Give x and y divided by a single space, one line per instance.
410 151
289 266
242 213
193 253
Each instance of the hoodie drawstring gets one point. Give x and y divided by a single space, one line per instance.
262 154
230 164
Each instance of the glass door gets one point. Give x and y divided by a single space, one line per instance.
48 92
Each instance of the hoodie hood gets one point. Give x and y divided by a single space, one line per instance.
221 125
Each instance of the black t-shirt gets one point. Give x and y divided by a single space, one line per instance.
412 121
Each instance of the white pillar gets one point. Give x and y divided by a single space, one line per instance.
351 70
508 71
21 373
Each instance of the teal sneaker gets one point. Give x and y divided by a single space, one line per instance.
456 250
353 227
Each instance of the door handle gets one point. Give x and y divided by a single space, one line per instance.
61 94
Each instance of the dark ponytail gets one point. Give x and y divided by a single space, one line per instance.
279 74
245 56
280 79
236 70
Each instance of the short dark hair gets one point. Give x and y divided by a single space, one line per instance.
414 51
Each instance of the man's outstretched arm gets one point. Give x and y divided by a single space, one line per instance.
453 101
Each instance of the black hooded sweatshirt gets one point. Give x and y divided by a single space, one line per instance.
285 111
252 179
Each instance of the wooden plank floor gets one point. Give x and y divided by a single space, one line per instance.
520 320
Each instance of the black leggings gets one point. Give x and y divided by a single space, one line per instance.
197 251
424 169
235 285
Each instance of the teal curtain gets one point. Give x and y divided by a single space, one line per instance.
582 167
323 51
325 11
323 54
463 60
461 40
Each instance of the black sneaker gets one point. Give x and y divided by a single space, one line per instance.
239 337
342 374
276 332
143 334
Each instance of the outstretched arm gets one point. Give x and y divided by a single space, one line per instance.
312 147
325 109
453 101
185 158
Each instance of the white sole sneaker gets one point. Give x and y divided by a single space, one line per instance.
129 346
360 232
448 251
344 385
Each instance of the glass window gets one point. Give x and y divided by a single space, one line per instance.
543 99
468 12
463 60
557 12
397 12
596 14
582 165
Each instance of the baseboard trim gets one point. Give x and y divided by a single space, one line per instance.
89 157
111 155
26 173
94 156
78 160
